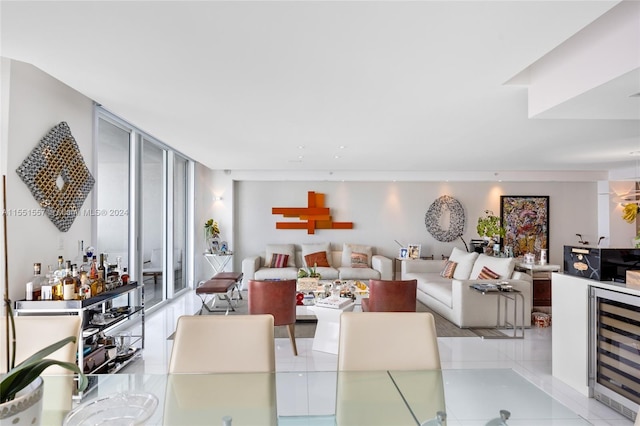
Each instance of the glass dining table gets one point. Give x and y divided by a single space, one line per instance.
423 398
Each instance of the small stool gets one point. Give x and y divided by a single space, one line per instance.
235 276
217 288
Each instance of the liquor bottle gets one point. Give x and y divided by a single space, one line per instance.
76 281
125 276
93 286
101 270
100 285
55 281
57 288
85 266
80 250
59 272
85 287
107 266
35 283
93 271
68 283
119 265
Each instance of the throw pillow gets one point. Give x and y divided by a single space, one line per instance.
465 263
359 260
279 260
347 249
449 268
315 248
502 266
487 274
280 249
317 259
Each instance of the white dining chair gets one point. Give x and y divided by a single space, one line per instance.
34 333
374 345
37 332
223 344
387 341
222 366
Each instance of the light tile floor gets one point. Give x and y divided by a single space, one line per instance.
530 357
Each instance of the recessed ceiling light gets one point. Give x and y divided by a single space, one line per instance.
300 146
300 157
336 156
341 146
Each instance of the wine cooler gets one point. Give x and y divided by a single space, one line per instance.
614 373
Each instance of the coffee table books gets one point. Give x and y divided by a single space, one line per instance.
334 302
485 287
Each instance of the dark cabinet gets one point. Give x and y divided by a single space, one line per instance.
542 289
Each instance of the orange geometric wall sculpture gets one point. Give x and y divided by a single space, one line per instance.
314 216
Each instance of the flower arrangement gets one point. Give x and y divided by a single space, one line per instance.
20 376
211 228
630 212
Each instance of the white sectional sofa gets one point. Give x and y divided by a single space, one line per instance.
455 300
341 264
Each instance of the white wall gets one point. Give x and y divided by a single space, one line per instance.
210 184
37 102
622 233
383 212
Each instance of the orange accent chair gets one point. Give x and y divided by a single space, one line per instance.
277 298
391 296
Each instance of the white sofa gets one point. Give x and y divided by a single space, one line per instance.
340 267
455 300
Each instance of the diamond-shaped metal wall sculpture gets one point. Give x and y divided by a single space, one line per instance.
57 176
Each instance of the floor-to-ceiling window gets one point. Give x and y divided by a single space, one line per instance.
112 192
180 210
153 232
143 185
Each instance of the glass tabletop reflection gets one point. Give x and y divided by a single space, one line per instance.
323 398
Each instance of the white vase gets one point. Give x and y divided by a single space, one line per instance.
26 407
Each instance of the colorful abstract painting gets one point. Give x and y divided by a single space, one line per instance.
526 221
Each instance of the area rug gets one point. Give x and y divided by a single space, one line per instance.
306 328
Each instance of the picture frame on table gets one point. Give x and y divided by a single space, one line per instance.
403 253
525 219
413 251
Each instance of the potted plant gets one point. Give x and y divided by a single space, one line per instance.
21 388
308 278
490 229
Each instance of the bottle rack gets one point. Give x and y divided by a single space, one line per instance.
113 317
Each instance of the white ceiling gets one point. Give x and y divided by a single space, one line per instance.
414 86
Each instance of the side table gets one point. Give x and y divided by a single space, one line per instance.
218 261
503 298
